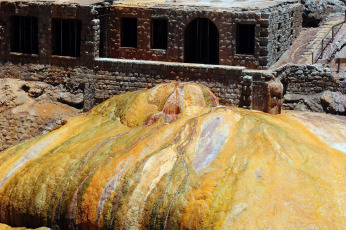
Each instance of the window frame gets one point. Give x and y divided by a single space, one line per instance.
18 29
62 50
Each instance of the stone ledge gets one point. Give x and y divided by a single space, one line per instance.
168 64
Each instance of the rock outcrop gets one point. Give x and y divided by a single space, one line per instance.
315 11
193 165
334 102
28 109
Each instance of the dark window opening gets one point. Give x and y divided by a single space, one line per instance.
246 39
159 34
24 37
129 32
201 42
66 37
104 25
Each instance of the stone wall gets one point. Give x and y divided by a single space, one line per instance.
305 87
275 30
284 26
259 88
306 79
115 76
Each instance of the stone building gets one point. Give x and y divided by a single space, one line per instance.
100 49
253 33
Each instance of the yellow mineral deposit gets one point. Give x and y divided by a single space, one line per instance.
172 158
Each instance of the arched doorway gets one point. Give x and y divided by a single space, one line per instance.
201 42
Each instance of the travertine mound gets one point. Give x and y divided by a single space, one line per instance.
171 158
330 128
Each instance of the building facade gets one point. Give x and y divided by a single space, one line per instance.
51 32
101 49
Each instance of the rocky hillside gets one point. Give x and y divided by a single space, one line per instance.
172 158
